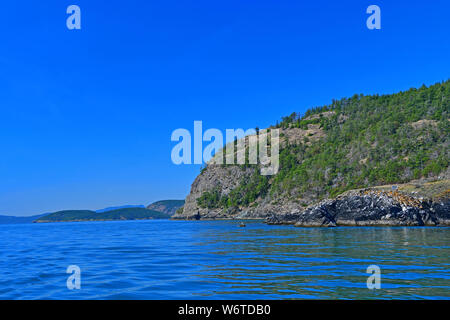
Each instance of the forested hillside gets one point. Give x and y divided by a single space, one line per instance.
352 143
370 140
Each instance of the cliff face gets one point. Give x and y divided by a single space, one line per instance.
226 178
354 144
214 176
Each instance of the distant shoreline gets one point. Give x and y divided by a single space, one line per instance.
94 220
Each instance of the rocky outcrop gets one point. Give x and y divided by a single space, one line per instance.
417 203
370 208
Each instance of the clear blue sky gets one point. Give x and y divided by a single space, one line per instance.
86 116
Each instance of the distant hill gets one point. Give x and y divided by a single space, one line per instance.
119 207
166 206
88 215
158 210
15 220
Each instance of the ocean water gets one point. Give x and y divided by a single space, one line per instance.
164 259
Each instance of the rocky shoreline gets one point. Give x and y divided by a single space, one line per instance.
404 205
370 208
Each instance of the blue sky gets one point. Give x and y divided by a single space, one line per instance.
86 116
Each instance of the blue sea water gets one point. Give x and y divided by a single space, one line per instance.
163 259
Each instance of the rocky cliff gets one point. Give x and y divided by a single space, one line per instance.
331 154
226 178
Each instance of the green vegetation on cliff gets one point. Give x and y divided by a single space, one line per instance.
367 141
245 194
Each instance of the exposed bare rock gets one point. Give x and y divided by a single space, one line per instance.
370 207
423 123
313 133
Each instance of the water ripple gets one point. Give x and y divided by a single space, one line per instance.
218 260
